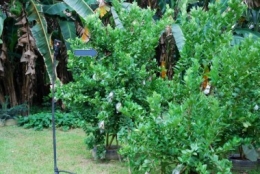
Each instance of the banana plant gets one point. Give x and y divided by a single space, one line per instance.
40 34
243 33
248 24
37 24
36 14
80 7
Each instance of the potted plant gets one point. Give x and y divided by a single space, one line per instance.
180 130
232 71
235 77
122 71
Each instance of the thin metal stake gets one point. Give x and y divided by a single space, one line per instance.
56 47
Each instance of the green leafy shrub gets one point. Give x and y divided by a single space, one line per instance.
184 131
182 134
208 32
164 125
232 70
124 69
235 77
36 121
43 120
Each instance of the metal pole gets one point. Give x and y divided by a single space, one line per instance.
56 52
56 48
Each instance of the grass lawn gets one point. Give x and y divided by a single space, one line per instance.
25 151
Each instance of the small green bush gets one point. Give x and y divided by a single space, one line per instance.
43 120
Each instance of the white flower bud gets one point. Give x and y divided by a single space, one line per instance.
118 107
256 107
110 97
94 77
101 126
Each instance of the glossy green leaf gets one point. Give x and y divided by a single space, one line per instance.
126 6
247 32
39 32
117 21
236 40
178 36
68 31
55 9
162 6
80 6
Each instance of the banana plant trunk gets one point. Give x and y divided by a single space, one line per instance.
26 95
8 86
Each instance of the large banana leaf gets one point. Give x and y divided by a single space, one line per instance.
117 21
80 7
94 4
236 40
39 32
241 34
68 31
55 9
67 27
247 32
178 36
126 6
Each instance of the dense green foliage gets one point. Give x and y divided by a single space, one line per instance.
43 120
181 131
189 132
123 71
165 125
232 69
235 77
208 32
